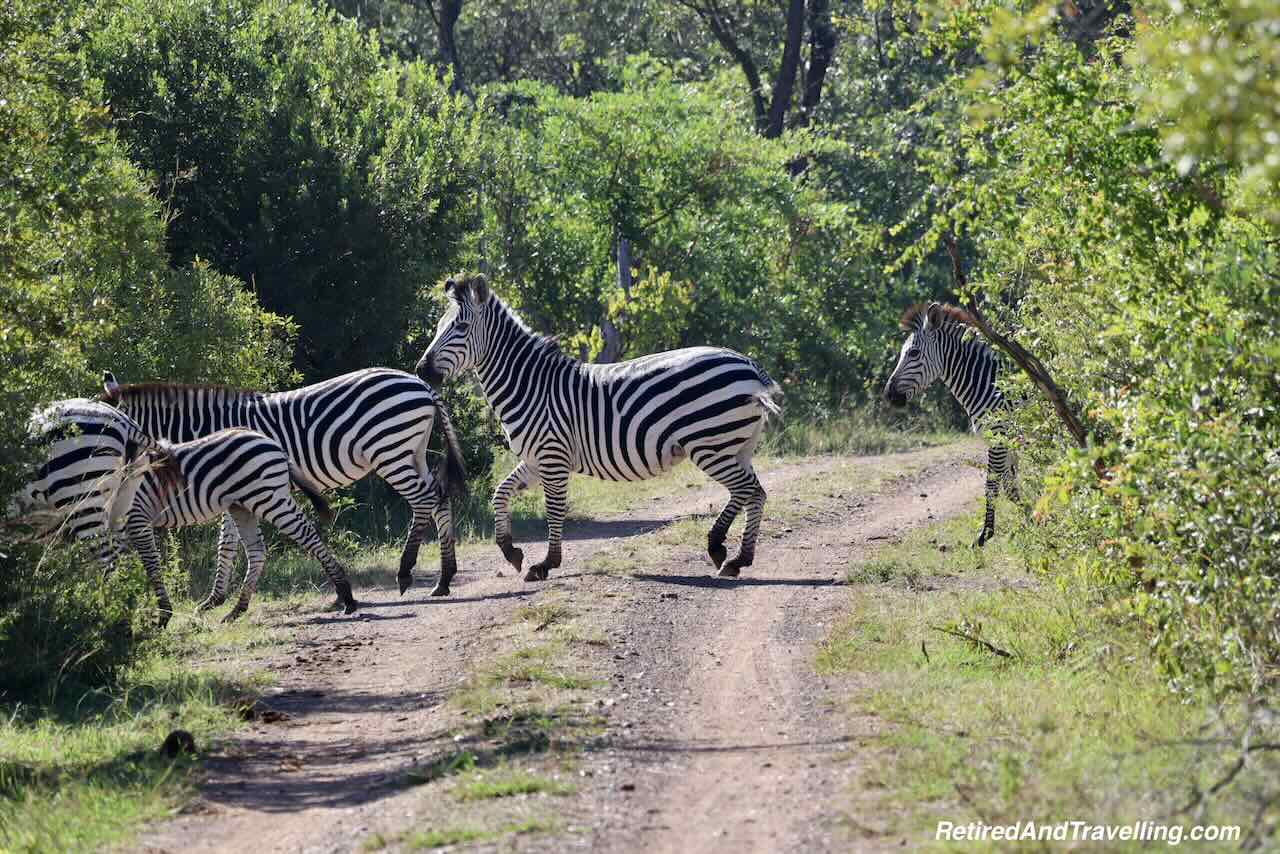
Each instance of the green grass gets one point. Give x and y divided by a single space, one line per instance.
1072 723
87 772
422 840
505 782
863 431
519 675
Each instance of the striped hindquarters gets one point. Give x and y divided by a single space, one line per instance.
88 443
642 416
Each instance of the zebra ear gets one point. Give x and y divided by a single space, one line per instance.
480 289
456 287
110 385
934 315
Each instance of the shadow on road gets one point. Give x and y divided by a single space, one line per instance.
714 581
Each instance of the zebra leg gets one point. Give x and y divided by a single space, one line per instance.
511 485
744 489
1011 480
289 520
255 556
997 459
417 487
143 539
747 552
443 515
228 545
555 486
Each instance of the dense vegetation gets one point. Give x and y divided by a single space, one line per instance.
261 193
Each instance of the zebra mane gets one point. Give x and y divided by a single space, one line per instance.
547 344
954 313
172 392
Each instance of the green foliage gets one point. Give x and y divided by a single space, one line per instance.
298 158
71 629
85 284
681 172
1133 253
1209 80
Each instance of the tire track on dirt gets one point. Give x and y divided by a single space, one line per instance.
753 739
363 698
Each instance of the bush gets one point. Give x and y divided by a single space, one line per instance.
297 158
86 284
1150 286
65 629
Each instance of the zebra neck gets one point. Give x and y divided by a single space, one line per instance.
513 367
969 371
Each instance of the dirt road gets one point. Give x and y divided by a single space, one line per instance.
695 721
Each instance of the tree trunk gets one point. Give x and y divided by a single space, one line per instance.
445 24
612 350
783 86
822 49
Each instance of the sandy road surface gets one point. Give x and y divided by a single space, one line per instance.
715 734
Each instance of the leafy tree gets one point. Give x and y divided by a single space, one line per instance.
1147 282
297 158
736 25
85 284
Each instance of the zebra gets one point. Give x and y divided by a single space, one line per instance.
941 345
237 472
336 432
84 444
626 421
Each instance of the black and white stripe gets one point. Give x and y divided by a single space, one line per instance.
942 345
240 473
335 432
627 421
84 443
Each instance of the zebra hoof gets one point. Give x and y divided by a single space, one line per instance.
537 572
233 615
717 554
406 581
440 590
982 539
211 602
350 606
515 557
729 570
163 620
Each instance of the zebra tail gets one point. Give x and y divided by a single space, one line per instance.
323 509
768 397
452 471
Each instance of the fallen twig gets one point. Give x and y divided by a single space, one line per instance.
974 639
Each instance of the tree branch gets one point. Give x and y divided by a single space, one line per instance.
720 28
1030 365
974 639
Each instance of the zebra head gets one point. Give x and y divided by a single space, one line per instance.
920 362
460 334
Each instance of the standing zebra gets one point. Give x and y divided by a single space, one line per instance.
627 421
85 443
237 472
335 432
942 345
